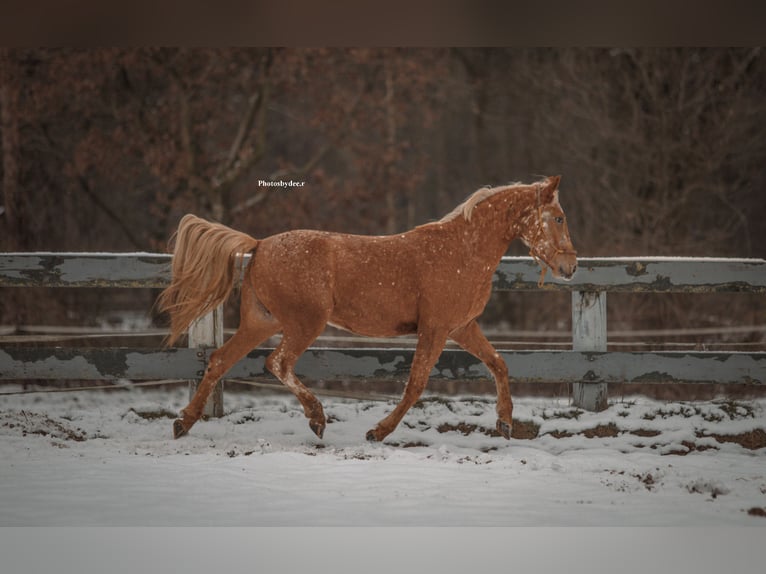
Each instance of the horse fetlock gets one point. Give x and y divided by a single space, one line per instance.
191 414
504 410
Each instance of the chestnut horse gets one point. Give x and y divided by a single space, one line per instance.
433 280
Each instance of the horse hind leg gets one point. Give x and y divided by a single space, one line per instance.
281 363
256 325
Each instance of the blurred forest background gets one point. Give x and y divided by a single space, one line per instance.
662 152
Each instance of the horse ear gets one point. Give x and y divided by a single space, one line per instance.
550 189
553 182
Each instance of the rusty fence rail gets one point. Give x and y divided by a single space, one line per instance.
588 366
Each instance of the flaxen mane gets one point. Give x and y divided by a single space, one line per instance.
466 208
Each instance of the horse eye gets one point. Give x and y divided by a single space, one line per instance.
559 220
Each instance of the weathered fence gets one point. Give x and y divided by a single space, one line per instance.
588 366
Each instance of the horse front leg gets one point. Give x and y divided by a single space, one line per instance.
428 349
473 340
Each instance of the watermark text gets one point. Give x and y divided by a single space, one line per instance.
281 183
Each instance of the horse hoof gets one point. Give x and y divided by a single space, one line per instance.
318 428
371 436
179 429
504 429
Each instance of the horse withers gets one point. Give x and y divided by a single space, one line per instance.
433 281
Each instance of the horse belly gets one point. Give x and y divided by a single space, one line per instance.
374 311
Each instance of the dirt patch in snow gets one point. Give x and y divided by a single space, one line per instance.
153 414
528 430
39 424
599 431
524 430
752 440
646 433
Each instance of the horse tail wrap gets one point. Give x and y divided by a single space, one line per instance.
205 258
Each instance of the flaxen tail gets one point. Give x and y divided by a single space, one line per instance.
205 258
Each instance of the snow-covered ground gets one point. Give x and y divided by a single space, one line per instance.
93 458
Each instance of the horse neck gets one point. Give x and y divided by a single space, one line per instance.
495 223
523 214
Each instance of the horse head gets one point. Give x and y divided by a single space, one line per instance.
545 230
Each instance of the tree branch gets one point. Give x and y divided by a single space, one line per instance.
187 143
11 149
313 161
255 115
253 104
109 212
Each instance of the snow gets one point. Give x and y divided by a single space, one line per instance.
106 458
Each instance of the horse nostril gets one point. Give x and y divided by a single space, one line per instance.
567 271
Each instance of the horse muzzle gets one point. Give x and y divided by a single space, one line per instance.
564 264
566 271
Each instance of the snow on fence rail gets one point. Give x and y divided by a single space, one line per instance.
588 366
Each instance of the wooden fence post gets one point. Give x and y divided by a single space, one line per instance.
205 333
589 334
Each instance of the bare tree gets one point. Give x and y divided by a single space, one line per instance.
9 126
660 143
661 149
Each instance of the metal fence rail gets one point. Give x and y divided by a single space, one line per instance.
588 365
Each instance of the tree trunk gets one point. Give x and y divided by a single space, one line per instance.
391 226
9 125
